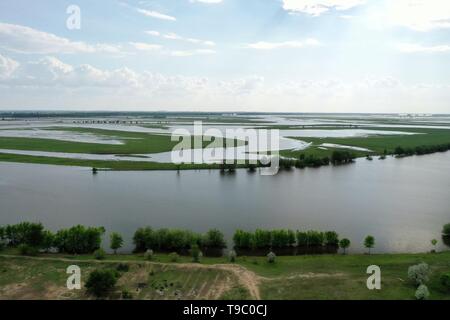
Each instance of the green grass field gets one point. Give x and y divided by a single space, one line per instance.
376 143
133 143
290 277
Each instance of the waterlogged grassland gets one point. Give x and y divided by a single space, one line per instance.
376 143
133 143
293 277
107 164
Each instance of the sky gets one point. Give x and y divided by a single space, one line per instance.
387 56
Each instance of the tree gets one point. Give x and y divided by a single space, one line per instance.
214 239
116 241
434 243
344 244
79 239
101 282
369 242
331 238
446 234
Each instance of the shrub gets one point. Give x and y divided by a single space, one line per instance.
79 239
174 257
99 254
232 256
127 295
419 273
148 255
445 280
101 282
271 257
27 250
344 244
422 292
196 253
123 267
116 241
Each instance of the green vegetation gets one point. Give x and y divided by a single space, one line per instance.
101 282
344 244
164 275
196 253
446 234
285 242
180 241
445 280
78 239
99 254
116 241
425 141
369 242
291 277
109 164
133 142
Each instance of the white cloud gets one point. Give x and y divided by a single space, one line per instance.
174 36
206 1
416 48
146 46
24 39
51 83
317 7
262 45
7 66
155 14
153 33
188 53
420 15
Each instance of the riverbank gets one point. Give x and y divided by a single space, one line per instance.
295 277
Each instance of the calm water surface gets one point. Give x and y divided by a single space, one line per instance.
402 202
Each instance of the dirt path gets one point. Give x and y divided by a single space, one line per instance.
246 278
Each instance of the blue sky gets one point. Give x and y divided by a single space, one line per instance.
229 55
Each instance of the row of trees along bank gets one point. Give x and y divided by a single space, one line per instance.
32 238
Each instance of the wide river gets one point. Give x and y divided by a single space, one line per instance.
403 203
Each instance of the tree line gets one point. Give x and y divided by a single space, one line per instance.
33 237
176 240
75 240
421 150
258 240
